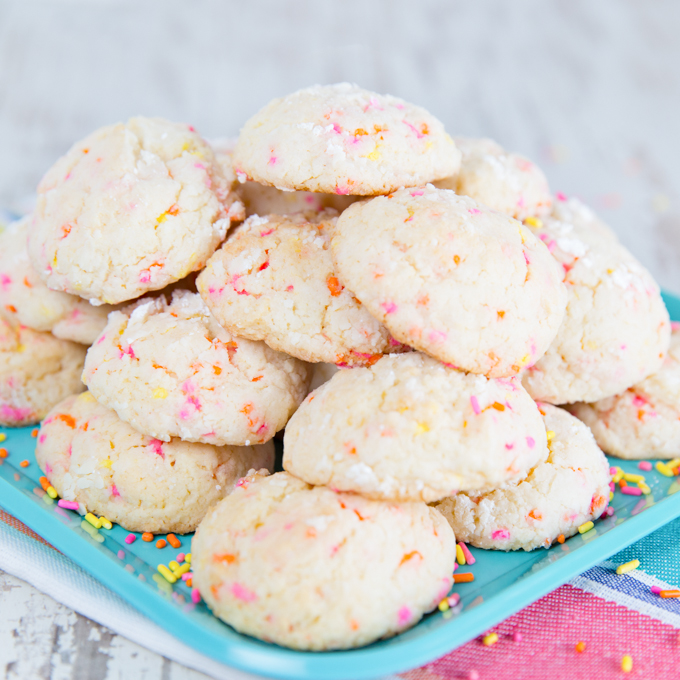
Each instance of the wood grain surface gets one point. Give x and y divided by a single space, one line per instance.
589 90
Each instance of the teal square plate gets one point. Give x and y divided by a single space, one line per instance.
504 582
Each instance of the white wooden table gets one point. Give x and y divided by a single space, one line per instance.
588 90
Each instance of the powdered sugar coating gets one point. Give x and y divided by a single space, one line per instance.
341 139
129 209
274 280
26 300
312 569
170 370
92 457
466 284
616 328
409 428
504 181
568 487
37 371
643 421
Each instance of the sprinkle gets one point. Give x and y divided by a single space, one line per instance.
34 432
184 569
611 496
160 393
550 434
622 483
467 577
186 576
460 555
585 527
68 505
453 600
52 492
644 488
45 483
628 566
631 491
490 639
167 574
106 523
24 463
187 557
174 541
655 589
3 436
195 596
669 593
130 538
629 477
580 647
3 453
173 565
189 581
534 222
180 557
146 536
645 465
663 469
560 538
444 605
94 521
475 405
161 543
468 555
618 475
627 663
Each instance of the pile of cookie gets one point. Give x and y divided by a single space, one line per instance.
410 308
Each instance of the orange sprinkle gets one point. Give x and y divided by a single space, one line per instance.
669 593
334 286
34 432
467 577
560 538
189 582
146 536
69 420
498 406
3 453
622 483
45 483
174 541
11 308
580 647
24 463
161 543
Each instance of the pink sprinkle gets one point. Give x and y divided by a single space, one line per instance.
187 576
262 429
242 482
195 596
509 447
675 325
42 438
48 467
475 405
531 442
468 555
130 539
420 192
14 414
517 637
455 566
560 196
342 191
267 232
474 211
180 558
612 486
645 465
242 593
500 535
404 615
200 166
612 470
419 134
639 401
157 446
337 128
631 491
437 336
114 490
272 160
145 276
453 600
69 505
99 342
289 289
389 307
655 589
5 281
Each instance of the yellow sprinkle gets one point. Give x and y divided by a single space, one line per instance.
618 476
21 348
187 558
183 569
3 436
550 434
51 492
174 566
629 477
160 393
628 566
611 496
490 639
421 428
106 523
460 555
374 155
444 605
167 574
585 527
525 359
664 470
94 521
86 396
105 463
534 222
627 663
644 488
673 463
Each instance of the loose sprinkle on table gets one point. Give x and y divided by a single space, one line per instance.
195 596
580 647
3 436
490 639
106 523
161 543
628 566
655 589
146 536
645 465
469 559
187 557
467 577
460 555
34 432
630 477
94 521
180 557
24 463
669 593
663 469
3 452
167 574
130 538
631 491
585 527
174 541
627 663
68 505
560 538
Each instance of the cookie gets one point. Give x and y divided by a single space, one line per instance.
37 371
409 428
309 568
130 209
274 280
569 487
616 328
341 139
92 457
466 284
26 300
504 181
170 370
643 421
